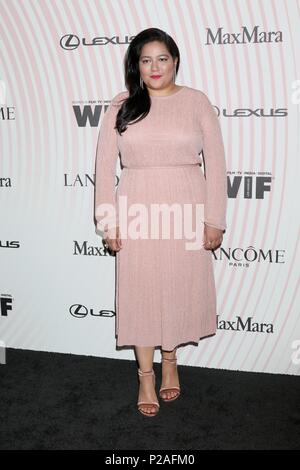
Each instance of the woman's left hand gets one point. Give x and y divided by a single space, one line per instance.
212 237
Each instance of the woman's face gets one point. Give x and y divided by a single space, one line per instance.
155 60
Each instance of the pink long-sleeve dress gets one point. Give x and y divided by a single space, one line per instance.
165 293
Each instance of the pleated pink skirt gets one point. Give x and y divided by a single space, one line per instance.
165 294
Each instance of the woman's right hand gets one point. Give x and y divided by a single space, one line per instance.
113 239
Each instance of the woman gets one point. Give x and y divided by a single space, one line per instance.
165 292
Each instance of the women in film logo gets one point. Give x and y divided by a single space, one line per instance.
5 304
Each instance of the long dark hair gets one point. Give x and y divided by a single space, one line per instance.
138 103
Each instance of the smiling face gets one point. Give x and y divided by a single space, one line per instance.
157 66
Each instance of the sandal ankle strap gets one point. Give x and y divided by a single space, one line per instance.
174 360
145 373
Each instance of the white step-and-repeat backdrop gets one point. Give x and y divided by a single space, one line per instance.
61 63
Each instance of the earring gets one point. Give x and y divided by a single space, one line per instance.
141 83
174 75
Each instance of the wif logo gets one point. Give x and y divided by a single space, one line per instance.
249 186
89 115
5 304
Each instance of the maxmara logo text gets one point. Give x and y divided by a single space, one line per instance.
244 324
255 35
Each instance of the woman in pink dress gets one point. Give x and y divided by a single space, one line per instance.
165 287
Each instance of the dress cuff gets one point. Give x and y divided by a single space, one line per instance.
220 227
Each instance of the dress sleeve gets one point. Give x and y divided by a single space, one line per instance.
215 166
106 159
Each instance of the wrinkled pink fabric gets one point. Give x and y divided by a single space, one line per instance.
165 294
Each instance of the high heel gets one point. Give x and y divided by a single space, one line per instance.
169 389
150 404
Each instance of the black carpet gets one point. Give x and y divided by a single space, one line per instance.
62 401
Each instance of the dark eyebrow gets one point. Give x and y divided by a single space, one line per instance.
143 56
